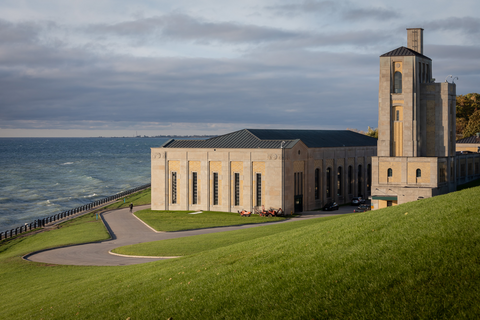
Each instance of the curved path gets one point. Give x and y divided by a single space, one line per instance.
127 229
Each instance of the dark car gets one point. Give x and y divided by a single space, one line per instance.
356 201
362 208
330 206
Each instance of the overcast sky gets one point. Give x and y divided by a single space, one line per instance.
117 67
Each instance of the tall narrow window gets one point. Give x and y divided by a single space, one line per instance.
339 181
329 183
360 180
237 189
420 72
298 183
398 82
259 189
397 115
419 173
194 188
215 189
423 73
389 172
317 184
369 177
174 187
350 179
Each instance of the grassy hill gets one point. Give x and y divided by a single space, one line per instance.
418 260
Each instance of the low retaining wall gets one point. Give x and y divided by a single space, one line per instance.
62 215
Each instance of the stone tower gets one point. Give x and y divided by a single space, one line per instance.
416 128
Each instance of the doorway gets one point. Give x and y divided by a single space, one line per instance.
299 203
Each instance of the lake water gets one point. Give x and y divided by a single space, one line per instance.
43 176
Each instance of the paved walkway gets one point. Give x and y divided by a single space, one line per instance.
126 229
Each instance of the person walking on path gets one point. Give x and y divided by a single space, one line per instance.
131 207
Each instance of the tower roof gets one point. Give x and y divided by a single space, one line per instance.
273 139
403 51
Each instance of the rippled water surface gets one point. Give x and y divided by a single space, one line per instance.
43 176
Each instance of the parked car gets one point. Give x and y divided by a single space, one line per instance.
330 206
362 208
356 201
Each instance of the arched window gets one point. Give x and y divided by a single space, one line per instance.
350 179
398 82
329 183
419 173
317 183
389 172
339 181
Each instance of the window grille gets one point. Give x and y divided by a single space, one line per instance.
237 189
174 187
194 188
259 189
215 189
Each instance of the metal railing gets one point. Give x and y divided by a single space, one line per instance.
42 222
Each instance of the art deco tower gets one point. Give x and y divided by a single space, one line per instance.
416 129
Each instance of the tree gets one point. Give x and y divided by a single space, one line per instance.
372 132
473 125
467 104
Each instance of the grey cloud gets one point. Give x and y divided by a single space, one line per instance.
184 27
370 13
307 6
17 33
279 89
345 10
469 25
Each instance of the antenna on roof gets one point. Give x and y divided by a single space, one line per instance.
453 81
282 145
450 76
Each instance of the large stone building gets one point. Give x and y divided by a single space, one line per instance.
299 170
416 129
295 170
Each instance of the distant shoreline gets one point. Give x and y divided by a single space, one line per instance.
137 137
168 136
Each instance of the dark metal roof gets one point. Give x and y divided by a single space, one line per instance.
272 139
402 51
472 139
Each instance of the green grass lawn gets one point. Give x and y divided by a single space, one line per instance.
183 220
198 244
420 260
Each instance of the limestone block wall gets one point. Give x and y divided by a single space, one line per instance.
471 147
277 169
438 119
225 164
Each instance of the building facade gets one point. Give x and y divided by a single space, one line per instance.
416 129
296 170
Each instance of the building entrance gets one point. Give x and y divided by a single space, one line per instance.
299 203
